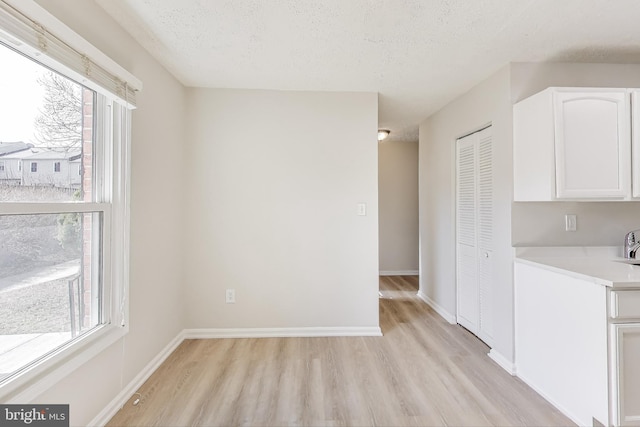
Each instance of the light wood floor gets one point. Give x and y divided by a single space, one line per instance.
422 372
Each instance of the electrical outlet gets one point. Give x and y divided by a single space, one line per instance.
230 296
570 222
362 209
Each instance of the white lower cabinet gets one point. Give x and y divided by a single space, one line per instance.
624 362
561 341
626 373
578 344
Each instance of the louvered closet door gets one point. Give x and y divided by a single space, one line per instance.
475 233
467 250
485 234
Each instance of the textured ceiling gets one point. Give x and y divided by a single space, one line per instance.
417 54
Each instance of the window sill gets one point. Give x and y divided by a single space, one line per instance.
41 376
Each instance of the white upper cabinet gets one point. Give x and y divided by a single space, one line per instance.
573 144
635 142
592 144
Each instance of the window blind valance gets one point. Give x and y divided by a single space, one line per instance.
28 28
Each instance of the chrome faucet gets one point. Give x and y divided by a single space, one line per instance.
631 244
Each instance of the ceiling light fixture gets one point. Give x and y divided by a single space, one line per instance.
383 134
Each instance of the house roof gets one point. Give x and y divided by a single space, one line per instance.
13 147
39 153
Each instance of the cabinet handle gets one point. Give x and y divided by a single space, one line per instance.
486 254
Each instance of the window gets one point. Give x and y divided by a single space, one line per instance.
51 263
64 251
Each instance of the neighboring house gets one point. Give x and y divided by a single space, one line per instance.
75 170
11 169
10 161
24 164
56 168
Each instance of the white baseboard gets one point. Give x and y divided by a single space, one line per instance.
399 273
502 361
370 331
121 399
438 308
559 407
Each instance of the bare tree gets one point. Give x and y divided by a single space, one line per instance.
59 122
59 126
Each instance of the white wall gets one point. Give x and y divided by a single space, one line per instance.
488 102
529 78
398 210
157 186
273 180
598 223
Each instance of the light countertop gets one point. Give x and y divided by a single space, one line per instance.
600 266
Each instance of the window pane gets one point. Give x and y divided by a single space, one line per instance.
46 135
50 283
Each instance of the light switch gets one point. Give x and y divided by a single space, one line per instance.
362 209
570 222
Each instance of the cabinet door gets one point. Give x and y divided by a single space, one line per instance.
592 144
561 341
635 143
626 375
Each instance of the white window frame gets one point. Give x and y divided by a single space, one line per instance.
113 128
